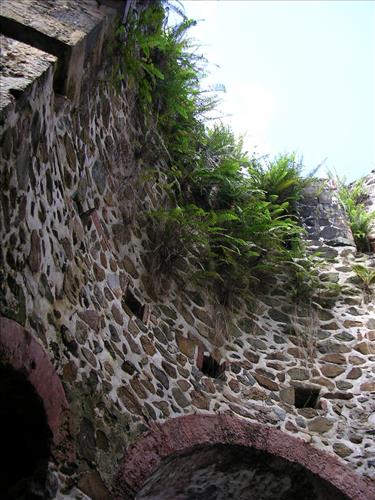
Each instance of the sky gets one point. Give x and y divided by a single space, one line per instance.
299 76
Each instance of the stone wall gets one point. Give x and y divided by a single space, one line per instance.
74 274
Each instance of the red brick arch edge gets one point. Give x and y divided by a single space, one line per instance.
23 352
178 434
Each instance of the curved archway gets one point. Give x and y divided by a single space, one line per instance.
183 433
21 351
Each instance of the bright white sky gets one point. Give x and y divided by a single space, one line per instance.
299 76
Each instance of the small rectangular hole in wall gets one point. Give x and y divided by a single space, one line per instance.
306 397
133 304
212 368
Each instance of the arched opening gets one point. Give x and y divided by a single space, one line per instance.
211 443
22 353
25 438
221 472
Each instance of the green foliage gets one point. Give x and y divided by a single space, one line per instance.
232 216
280 179
352 198
237 232
366 275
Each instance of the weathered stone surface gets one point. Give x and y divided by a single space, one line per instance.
86 440
354 373
337 359
200 400
258 344
90 356
23 166
160 375
91 318
92 484
307 412
342 450
331 371
344 336
332 347
320 425
117 315
298 374
99 175
186 346
365 348
99 272
35 255
148 345
325 382
129 400
130 267
338 395
169 369
180 397
266 382
278 316
343 385
138 388
356 360
251 356
287 395
368 386
349 323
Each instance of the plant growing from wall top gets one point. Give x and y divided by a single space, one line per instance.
232 216
352 198
367 279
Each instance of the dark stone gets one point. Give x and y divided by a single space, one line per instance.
7 143
338 395
81 332
246 325
266 382
279 316
35 131
23 165
92 484
129 400
344 336
18 309
34 259
70 152
81 190
160 375
91 318
49 187
68 340
128 367
86 440
180 397
99 175
298 374
90 356
45 289
114 334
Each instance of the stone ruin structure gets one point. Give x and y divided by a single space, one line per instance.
111 391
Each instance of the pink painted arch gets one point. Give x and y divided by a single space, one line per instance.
23 352
182 433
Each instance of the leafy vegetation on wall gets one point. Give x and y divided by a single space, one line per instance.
352 198
233 216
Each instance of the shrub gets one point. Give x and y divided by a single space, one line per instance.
360 221
231 215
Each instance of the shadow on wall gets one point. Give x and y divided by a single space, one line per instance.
225 471
25 439
195 452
